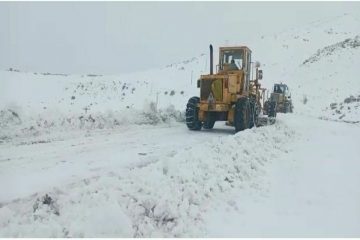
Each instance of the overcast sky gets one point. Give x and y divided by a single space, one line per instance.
116 37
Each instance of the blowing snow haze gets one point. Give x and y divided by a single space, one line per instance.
120 37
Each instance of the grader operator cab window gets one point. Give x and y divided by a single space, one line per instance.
280 88
233 59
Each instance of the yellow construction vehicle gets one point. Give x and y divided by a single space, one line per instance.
282 97
229 94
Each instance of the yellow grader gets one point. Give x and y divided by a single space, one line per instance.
282 98
229 94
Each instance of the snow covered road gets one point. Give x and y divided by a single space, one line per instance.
313 191
50 163
295 178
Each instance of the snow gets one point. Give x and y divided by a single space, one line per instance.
110 156
163 195
331 78
314 189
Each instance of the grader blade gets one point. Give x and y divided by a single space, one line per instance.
264 121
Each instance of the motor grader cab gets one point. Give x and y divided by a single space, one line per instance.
282 97
229 94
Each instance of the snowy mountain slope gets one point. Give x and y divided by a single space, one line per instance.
332 78
283 52
333 49
318 61
347 111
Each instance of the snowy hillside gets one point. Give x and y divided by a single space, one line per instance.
78 151
72 93
318 61
33 102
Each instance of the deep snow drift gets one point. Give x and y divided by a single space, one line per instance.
80 151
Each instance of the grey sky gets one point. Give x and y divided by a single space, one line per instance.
115 37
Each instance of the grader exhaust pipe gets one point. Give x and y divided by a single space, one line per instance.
211 59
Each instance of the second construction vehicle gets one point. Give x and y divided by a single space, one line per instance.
282 97
229 94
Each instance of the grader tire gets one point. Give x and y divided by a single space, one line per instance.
192 110
271 109
210 121
287 107
266 107
253 117
242 114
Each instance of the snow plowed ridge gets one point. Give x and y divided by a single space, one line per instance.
15 126
165 198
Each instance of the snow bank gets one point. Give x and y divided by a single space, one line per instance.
14 124
165 198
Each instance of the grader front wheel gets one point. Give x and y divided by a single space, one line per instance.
271 109
254 114
192 110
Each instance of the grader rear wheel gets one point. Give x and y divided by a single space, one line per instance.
210 121
242 114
